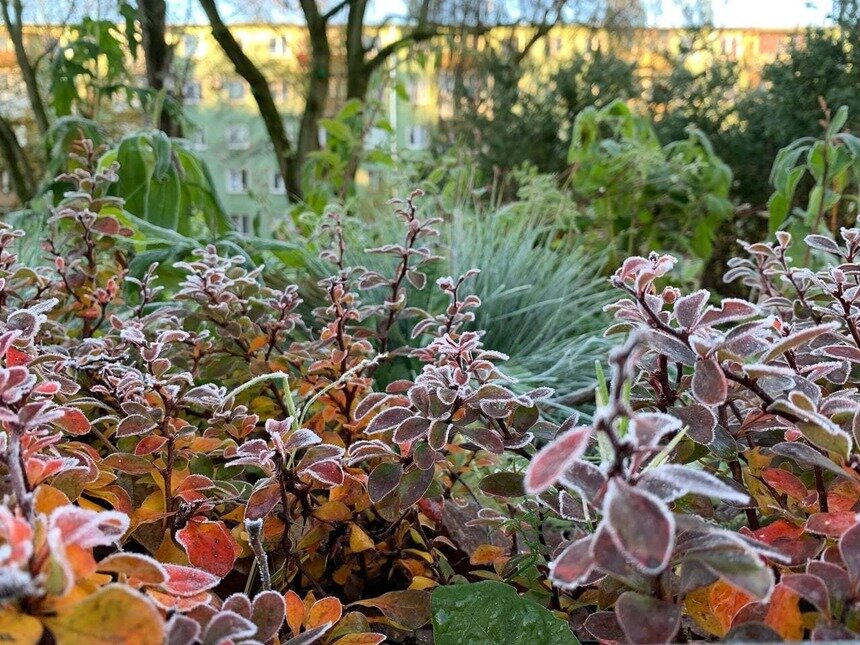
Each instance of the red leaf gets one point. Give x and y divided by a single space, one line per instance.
15 357
74 422
831 524
573 565
549 464
187 581
263 500
209 546
785 482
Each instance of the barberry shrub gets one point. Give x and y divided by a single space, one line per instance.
210 464
214 463
722 496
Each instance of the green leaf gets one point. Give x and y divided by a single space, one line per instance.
337 129
492 612
350 109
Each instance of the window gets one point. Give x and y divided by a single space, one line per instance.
418 137
238 137
190 44
235 90
237 181
192 92
276 184
377 138
419 91
322 134
279 46
279 90
5 182
242 222
198 140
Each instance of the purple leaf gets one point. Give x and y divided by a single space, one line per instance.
573 565
689 308
709 383
384 479
672 481
267 613
647 620
677 351
810 587
627 511
849 548
388 420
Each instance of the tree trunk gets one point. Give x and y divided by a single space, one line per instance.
318 83
356 76
28 73
245 68
158 55
20 172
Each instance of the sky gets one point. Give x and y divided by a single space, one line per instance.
726 13
756 13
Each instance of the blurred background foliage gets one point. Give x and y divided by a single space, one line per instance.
545 178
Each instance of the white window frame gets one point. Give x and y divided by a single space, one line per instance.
190 38
192 98
276 184
233 84
243 222
416 142
238 136
279 46
244 178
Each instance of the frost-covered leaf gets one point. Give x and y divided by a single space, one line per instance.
671 481
645 619
551 461
626 510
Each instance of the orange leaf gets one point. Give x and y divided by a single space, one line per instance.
258 342
17 628
114 614
324 610
209 546
74 422
371 638
783 613
295 611
487 554
359 540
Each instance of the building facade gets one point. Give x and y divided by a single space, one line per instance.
224 128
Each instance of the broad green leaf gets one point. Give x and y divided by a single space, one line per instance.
337 129
490 613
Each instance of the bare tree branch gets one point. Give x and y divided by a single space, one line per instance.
246 68
15 27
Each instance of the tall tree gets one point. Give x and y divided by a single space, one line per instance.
20 173
158 55
12 11
361 62
288 165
